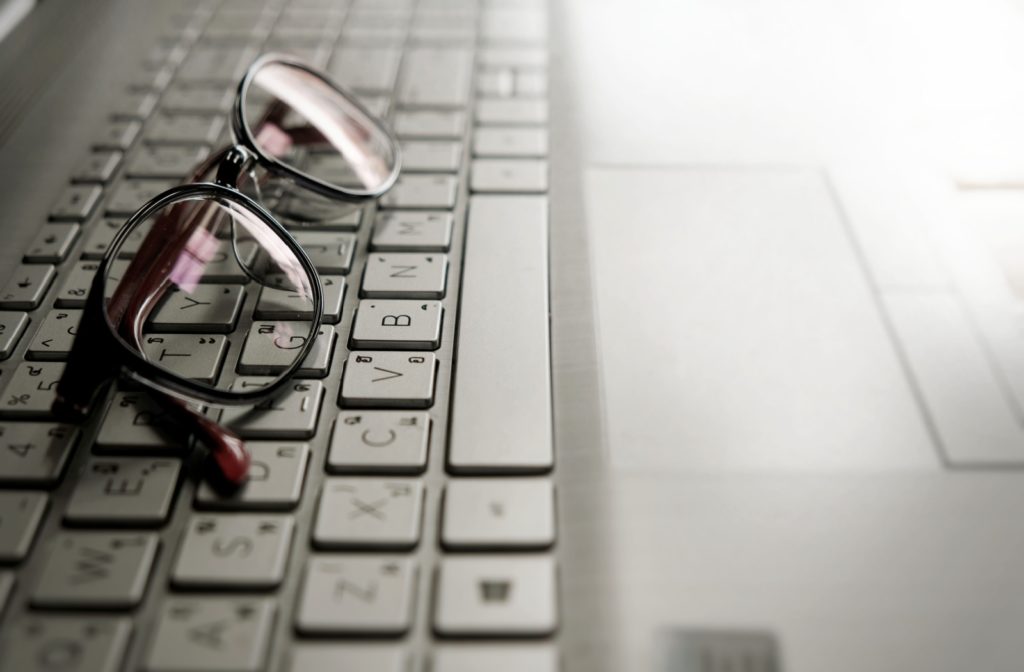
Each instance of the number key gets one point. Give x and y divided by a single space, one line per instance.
31 390
34 453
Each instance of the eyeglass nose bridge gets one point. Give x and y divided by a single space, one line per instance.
235 162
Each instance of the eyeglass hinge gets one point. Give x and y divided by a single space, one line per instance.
237 160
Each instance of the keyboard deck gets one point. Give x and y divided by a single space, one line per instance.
400 513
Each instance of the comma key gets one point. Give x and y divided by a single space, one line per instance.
34 453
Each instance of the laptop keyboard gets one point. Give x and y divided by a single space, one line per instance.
393 520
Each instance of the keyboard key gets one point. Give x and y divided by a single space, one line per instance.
123 491
422 192
495 658
509 82
435 77
350 595
412 231
365 69
52 244
329 252
137 425
284 304
177 162
211 634
496 597
184 129
302 212
234 552
34 453
118 135
513 56
291 415
430 124
198 98
431 156
6 588
379 442
405 275
511 112
508 431
509 176
31 390
130 195
103 233
515 25
265 356
76 202
197 356
134 104
401 325
494 514
96 570
98 167
356 658
73 644
389 379
12 326
206 308
275 480
510 142
21 514
54 338
365 513
224 267
77 283
27 286
223 65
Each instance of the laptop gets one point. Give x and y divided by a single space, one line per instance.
723 370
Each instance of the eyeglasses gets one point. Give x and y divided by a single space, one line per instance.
200 244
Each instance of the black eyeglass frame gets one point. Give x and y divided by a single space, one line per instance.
132 362
121 357
244 136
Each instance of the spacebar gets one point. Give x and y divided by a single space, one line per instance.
501 404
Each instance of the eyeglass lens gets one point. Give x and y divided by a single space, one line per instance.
211 290
303 121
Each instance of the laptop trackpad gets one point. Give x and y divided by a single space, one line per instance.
738 328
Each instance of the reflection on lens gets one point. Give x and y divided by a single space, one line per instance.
188 298
303 121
